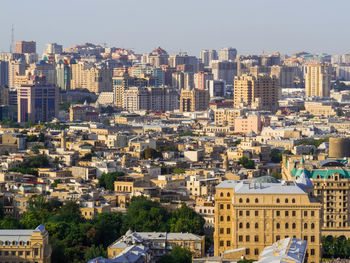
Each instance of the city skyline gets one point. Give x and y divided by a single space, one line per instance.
251 27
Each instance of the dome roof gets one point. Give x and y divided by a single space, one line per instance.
267 179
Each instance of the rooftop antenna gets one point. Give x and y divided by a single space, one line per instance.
12 38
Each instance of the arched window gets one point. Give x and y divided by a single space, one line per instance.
200 210
240 225
221 194
286 201
13 243
228 194
294 226
241 200
247 201
287 225
278 200
293 200
312 225
256 200
221 218
247 225
228 218
305 226
256 225
278 225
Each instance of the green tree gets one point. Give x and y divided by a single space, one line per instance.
178 255
144 215
186 219
94 252
29 124
179 170
276 155
150 153
276 175
8 222
107 180
247 163
106 122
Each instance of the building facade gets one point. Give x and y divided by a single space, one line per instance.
317 80
194 100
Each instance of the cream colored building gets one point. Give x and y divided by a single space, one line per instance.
320 109
317 79
194 100
226 116
21 245
249 88
253 214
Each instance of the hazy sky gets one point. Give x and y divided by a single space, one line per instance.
251 26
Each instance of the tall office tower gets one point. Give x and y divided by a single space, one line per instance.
16 68
194 100
285 75
25 47
136 98
63 71
37 101
45 69
227 53
224 70
249 89
217 88
257 213
183 59
156 58
4 73
317 79
53 48
4 95
207 56
201 79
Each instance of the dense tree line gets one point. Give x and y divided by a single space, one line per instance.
336 247
75 239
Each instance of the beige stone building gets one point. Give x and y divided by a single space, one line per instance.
194 100
226 116
249 88
254 214
317 79
20 245
320 109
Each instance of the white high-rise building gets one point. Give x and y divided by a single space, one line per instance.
227 53
207 56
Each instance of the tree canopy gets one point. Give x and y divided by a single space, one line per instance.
107 180
247 163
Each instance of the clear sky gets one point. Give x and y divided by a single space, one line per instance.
251 26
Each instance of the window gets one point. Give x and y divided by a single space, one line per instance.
278 238
247 225
287 225
256 238
256 225
293 226
312 238
247 213
247 251
278 225
221 194
221 218
293 200
256 213
286 201
221 206
294 213
312 213
256 251
221 230
228 243
305 213
228 206
228 194
312 225
305 238
278 200
247 238
13 253
228 218
278 213
221 243
240 238
286 213
305 226
241 200
247 200
240 213
228 230
240 225
256 200
312 252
